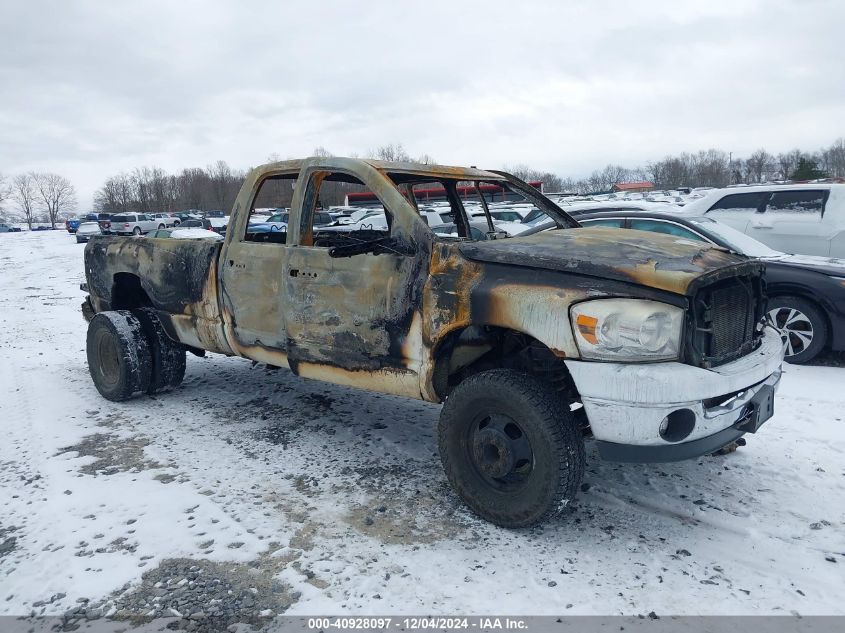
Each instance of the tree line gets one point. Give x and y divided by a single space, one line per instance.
151 189
706 168
38 196
42 196
215 187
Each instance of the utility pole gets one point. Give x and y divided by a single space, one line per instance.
731 168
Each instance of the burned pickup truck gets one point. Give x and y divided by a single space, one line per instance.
651 345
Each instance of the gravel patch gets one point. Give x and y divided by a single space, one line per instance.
197 594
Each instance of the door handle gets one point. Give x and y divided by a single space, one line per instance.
294 272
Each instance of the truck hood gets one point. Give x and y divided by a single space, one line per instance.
649 259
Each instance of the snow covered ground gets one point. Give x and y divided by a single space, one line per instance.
306 498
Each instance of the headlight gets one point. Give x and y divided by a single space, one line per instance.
627 329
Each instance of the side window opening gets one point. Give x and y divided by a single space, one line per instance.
803 202
319 228
268 213
741 202
469 210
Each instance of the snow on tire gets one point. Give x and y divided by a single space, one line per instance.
119 358
510 448
168 356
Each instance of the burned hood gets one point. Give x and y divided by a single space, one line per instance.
649 259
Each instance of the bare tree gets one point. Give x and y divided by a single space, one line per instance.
391 152
711 168
140 182
224 184
787 163
123 188
5 190
25 195
56 193
758 166
322 152
671 172
548 181
604 179
192 185
833 159
105 198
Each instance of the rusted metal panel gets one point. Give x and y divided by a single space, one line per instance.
178 277
253 297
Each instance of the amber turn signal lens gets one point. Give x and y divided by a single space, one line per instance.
587 327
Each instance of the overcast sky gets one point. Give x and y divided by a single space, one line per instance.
88 89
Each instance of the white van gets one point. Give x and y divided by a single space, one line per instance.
807 219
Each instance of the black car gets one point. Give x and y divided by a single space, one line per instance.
806 293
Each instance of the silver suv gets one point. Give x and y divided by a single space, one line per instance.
134 223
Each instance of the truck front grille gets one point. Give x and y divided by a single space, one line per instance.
725 321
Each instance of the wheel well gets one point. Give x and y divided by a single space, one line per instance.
478 348
127 293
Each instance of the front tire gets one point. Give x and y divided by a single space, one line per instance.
119 358
510 448
802 326
168 356
136 230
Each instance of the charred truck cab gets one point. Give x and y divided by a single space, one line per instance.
651 345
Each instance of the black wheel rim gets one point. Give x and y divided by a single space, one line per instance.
107 359
500 451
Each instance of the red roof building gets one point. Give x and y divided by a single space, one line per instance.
633 186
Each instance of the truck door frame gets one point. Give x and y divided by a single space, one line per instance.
354 313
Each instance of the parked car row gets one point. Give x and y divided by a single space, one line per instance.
162 225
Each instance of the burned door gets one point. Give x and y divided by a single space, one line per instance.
253 274
351 302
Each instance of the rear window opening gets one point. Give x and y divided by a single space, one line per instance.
470 210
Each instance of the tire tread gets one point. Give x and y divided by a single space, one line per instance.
560 423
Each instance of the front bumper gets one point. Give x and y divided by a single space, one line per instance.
626 403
